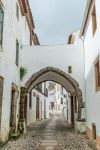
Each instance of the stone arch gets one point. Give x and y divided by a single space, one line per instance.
57 75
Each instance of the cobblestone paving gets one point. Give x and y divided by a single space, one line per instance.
51 134
68 139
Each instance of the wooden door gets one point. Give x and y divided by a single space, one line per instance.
41 110
44 108
25 109
12 114
72 111
94 131
37 109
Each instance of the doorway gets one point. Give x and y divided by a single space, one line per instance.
14 94
94 131
25 110
44 108
41 110
37 108
72 111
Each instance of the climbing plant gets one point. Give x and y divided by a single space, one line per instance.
23 71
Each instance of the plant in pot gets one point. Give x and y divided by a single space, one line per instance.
69 69
23 71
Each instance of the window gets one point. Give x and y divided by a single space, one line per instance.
17 11
62 101
52 104
14 94
39 87
97 74
94 131
1 24
94 20
61 89
46 92
17 52
71 39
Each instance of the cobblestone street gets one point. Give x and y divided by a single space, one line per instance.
51 134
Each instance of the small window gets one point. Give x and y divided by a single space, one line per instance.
30 100
97 74
17 52
46 92
94 131
61 100
17 11
71 39
94 20
39 87
1 24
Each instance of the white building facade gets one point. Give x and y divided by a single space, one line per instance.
37 104
79 59
16 29
90 33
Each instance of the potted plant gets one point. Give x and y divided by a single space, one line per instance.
69 69
23 71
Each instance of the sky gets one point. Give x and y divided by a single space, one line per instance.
55 19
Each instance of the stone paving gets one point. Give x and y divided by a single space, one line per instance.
51 134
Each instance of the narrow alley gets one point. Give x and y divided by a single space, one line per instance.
49 75
50 134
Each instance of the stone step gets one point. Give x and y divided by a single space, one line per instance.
46 132
49 137
50 133
49 141
49 148
48 144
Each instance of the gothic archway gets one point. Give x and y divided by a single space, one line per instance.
57 75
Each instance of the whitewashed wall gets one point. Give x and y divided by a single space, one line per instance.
51 96
31 113
13 29
92 50
58 56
